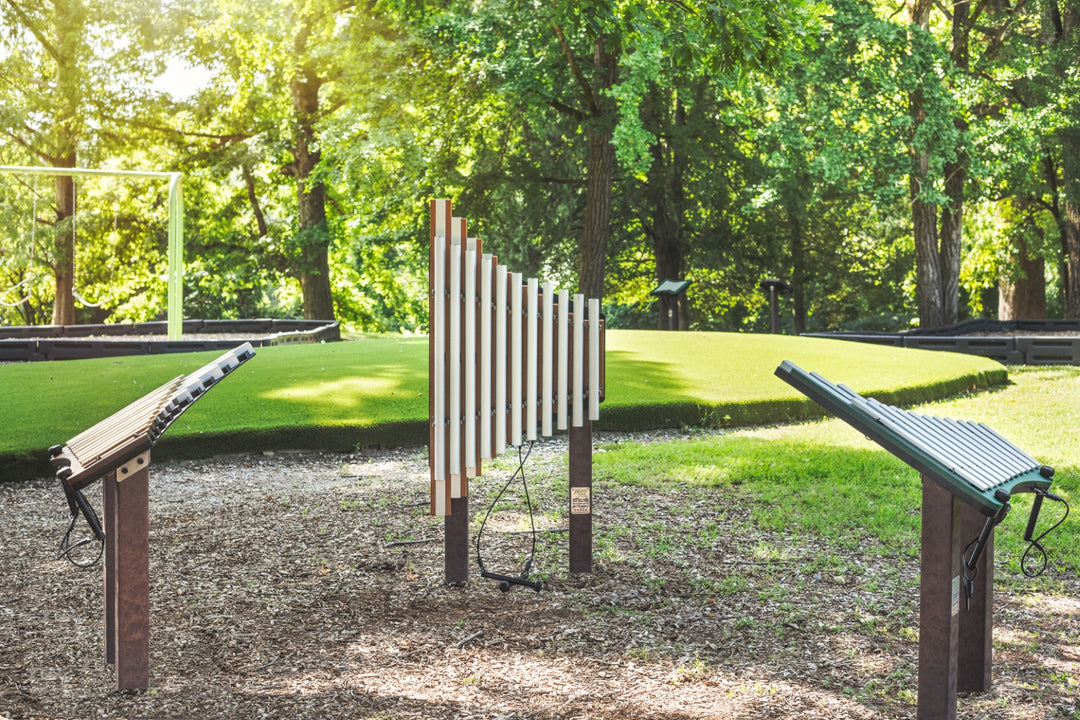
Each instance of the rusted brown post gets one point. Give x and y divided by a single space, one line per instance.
127 573
939 602
457 541
581 498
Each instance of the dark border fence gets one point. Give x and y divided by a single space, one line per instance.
1013 342
76 342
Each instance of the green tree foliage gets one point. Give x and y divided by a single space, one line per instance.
876 159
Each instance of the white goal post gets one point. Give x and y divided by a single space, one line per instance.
174 309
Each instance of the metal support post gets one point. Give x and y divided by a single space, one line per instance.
457 541
581 498
127 573
939 602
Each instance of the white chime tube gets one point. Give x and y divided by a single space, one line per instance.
579 360
562 390
470 343
532 352
487 303
502 410
547 370
516 312
594 359
455 364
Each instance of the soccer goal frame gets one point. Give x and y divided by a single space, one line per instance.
175 305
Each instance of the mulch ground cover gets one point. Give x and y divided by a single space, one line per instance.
310 586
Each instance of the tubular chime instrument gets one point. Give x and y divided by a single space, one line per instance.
117 452
510 359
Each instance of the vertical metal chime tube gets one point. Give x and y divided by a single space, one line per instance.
470 347
516 312
487 308
440 250
547 370
562 391
455 390
532 351
578 350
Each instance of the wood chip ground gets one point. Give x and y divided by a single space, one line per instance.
277 592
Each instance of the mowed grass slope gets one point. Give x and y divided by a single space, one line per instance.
827 480
373 391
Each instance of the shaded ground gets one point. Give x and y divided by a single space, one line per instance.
274 594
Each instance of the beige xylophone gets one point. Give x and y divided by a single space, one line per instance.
117 452
511 359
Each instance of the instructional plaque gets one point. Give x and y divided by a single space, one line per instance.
580 501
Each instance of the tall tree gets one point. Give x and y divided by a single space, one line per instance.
931 273
1061 33
278 74
45 74
66 69
588 66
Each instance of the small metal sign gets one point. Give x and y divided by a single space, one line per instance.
580 501
956 596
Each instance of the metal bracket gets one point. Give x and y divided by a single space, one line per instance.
132 466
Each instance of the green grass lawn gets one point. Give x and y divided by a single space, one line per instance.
373 391
826 479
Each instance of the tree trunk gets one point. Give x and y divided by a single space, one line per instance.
1070 237
928 274
952 214
313 235
1057 30
600 175
70 19
64 250
666 190
798 273
1024 297
597 231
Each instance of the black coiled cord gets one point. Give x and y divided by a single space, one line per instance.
1034 566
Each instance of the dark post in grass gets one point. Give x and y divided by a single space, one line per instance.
955 632
969 474
775 287
939 602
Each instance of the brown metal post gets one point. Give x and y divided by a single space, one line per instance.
129 526
581 498
108 508
456 545
939 602
975 658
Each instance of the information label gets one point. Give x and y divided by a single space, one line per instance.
580 501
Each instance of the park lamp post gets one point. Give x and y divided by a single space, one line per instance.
775 287
174 308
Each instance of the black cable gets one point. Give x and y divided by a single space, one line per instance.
66 548
1037 546
969 582
532 521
